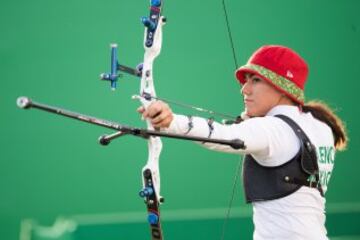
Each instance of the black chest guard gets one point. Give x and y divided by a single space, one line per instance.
268 183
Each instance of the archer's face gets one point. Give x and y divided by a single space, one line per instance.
259 96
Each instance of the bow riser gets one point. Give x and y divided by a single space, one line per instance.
150 173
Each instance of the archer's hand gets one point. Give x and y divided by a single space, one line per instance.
159 114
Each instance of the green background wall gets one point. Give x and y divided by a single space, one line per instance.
54 51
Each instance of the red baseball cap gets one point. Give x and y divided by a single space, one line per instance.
281 66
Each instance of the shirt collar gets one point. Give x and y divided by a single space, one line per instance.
283 109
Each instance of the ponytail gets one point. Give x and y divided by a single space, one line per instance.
324 113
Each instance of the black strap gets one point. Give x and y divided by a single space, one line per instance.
210 122
308 152
190 124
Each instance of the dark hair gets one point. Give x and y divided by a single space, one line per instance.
324 113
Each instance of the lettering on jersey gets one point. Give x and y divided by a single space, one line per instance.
325 177
325 156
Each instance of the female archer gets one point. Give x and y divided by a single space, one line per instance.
290 145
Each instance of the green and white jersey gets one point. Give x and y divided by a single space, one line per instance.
272 142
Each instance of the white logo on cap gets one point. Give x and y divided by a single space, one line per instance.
289 74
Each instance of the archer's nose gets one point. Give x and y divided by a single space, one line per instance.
246 89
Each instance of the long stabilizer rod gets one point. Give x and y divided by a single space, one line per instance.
27 103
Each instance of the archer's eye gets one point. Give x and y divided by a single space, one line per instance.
256 79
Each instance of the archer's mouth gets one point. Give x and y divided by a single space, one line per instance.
247 101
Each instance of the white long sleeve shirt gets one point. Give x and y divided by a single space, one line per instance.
272 142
